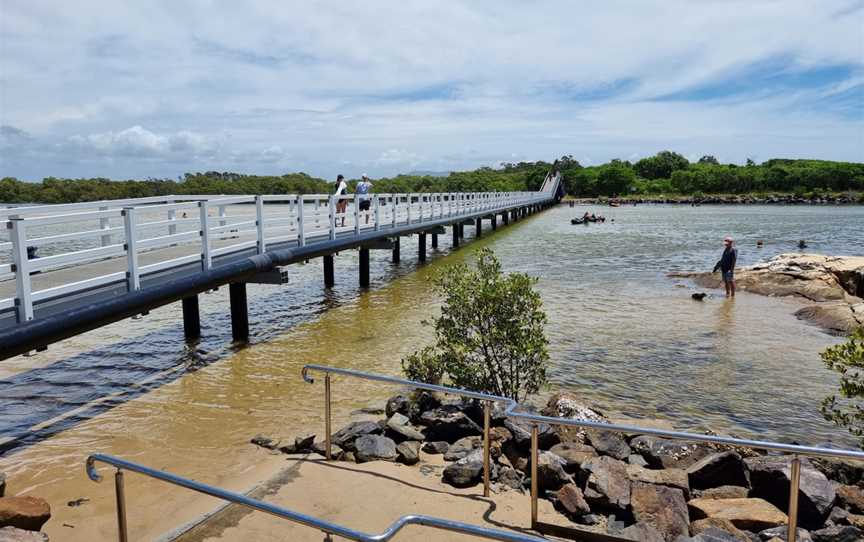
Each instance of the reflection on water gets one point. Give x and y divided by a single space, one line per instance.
623 336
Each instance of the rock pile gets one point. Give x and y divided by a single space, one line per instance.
637 487
21 518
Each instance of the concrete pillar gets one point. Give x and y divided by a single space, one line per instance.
494 222
329 275
364 267
505 216
434 240
479 228
396 252
456 235
421 247
191 318
239 311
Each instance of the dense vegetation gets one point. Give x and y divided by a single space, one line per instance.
847 359
666 173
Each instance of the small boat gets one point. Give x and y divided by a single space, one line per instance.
577 221
614 204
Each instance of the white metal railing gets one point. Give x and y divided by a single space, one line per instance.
157 234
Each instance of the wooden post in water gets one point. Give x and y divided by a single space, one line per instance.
421 247
456 235
329 276
434 240
494 221
239 311
396 254
364 267
191 318
479 228
505 216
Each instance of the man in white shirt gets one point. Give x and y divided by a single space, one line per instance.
364 187
341 204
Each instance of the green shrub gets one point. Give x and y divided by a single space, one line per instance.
847 359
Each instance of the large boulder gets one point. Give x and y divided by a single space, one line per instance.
719 469
2 484
567 405
13 534
408 452
844 471
422 401
713 534
398 403
448 423
28 513
723 492
374 448
664 508
304 442
345 437
436 447
509 477
515 456
851 498
607 486
550 472
782 533
701 525
466 472
608 443
463 447
320 448
675 478
769 478
642 532
748 514
521 431
498 437
570 498
663 453
838 533
573 454
399 428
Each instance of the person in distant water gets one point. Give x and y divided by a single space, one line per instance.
341 190
727 265
364 187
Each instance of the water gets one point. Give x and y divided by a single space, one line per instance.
623 336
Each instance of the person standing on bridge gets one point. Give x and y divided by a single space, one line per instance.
341 204
364 187
727 265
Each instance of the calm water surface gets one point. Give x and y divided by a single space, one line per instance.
623 336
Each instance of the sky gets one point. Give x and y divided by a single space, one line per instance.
160 88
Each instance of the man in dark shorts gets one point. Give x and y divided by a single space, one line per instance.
727 265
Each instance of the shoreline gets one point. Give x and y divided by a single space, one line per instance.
723 199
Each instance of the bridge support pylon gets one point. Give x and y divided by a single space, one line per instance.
456 235
479 227
421 247
191 318
434 240
329 275
364 267
239 312
396 251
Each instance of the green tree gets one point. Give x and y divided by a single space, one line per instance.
847 359
490 333
616 178
709 159
661 165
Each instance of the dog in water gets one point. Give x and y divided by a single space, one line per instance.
699 296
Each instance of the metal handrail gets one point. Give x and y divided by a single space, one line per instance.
536 419
325 526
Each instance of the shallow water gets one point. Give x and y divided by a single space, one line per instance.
622 334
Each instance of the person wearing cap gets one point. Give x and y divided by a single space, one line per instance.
341 190
362 191
727 265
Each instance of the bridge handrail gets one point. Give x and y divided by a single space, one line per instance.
325 526
511 411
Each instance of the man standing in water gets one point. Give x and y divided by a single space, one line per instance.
727 266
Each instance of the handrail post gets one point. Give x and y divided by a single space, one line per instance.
104 224
327 416
222 215
172 217
357 214
206 261
409 207
377 213
331 213
133 278
301 233
24 290
794 483
120 493
534 488
486 416
395 201
259 223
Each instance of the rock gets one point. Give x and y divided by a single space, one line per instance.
607 486
399 428
349 457
463 447
662 453
303 443
851 498
769 478
510 477
465 472
12 534
521 431
675 478
289 448
608 443
723 492
408 452
436 447
515 455
573 454
782 533
422 402
701 525
839 316
844 471
637 460
28 513
614 525
642 532
345 437
550 472
397 404
571 500
838 516
748 514
589 519
664 508
262 441
715 535
335 451
448 423
838 533
856 520
567 405
374 448
498 436
2 484
715 470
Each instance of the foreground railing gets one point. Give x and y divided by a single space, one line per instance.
512 406
327 527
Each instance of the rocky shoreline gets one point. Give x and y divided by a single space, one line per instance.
636 487
731 199
834 283
22 518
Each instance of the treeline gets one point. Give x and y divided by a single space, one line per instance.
664 173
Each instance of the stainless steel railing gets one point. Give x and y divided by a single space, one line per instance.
536 419
327 527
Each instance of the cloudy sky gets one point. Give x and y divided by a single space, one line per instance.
137 89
